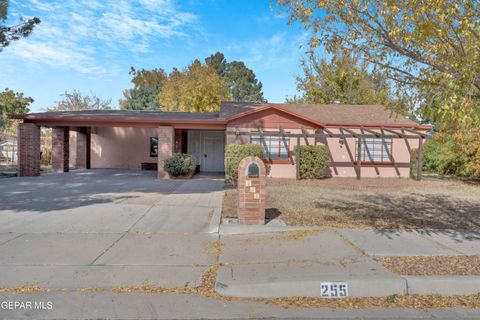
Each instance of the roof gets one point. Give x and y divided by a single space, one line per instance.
120 114
327 114
320 114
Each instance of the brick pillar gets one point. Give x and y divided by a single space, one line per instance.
28 150
81 146
166 136
60 149
252 191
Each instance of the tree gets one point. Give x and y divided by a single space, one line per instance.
341 79
11 103
147 84
15 32
218 63
242 81
430 46
76 101
198 88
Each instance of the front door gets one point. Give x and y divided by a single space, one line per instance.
208 147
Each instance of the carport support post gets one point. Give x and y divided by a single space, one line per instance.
60 149
166 141
28 150
420 159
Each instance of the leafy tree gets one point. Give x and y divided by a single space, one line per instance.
430 46
341 79
76 101
147 84
198 88
242 81
11 103
15 32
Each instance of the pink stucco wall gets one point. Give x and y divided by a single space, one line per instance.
121 147
342 155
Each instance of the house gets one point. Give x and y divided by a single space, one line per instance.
8 150
364 140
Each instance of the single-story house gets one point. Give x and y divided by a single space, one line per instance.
364 140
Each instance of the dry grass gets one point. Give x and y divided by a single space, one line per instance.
432 265
370 203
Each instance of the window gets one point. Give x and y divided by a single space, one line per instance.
153 147
375 150
275 148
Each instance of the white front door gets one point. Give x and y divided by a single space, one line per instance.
208 147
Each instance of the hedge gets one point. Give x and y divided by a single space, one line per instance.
314 161
180 164
234 153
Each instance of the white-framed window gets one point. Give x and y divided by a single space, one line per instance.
274 148
374 150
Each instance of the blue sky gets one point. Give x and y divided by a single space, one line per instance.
89 45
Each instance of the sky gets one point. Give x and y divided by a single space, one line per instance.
90 45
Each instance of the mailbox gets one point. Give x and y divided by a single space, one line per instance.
251 191
253 170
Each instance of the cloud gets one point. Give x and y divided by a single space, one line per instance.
78 34
270 52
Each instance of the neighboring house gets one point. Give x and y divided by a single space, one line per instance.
8 150
364 140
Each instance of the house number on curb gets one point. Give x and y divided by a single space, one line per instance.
333 289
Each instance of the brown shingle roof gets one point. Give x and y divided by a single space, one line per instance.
329 114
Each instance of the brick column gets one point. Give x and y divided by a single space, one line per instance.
166 136
28 150
252 191
60 149
81 149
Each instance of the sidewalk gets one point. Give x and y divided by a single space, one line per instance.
295 263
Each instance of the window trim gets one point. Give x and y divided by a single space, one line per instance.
280 140
151 141
390 162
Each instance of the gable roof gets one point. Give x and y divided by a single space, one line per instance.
325 114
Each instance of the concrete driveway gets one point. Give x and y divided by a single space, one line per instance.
106 228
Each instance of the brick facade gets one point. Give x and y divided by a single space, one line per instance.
166 137
252 192
28 150
60 149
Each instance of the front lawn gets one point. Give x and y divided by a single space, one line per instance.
376 203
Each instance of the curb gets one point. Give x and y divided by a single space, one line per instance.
443 285
214 225
357 287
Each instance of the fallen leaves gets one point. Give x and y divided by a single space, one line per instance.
433 265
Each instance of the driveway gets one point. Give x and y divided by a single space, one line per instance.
106 228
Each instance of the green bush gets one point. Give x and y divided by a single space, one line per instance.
443 157
180 164
314 161
234 153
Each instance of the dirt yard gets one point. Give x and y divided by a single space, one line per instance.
374 203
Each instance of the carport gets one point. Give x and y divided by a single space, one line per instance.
121 139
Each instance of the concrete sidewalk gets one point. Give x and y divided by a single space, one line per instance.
295 263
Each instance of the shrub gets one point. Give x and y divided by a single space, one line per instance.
180 164
314 161
441 155
234 153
